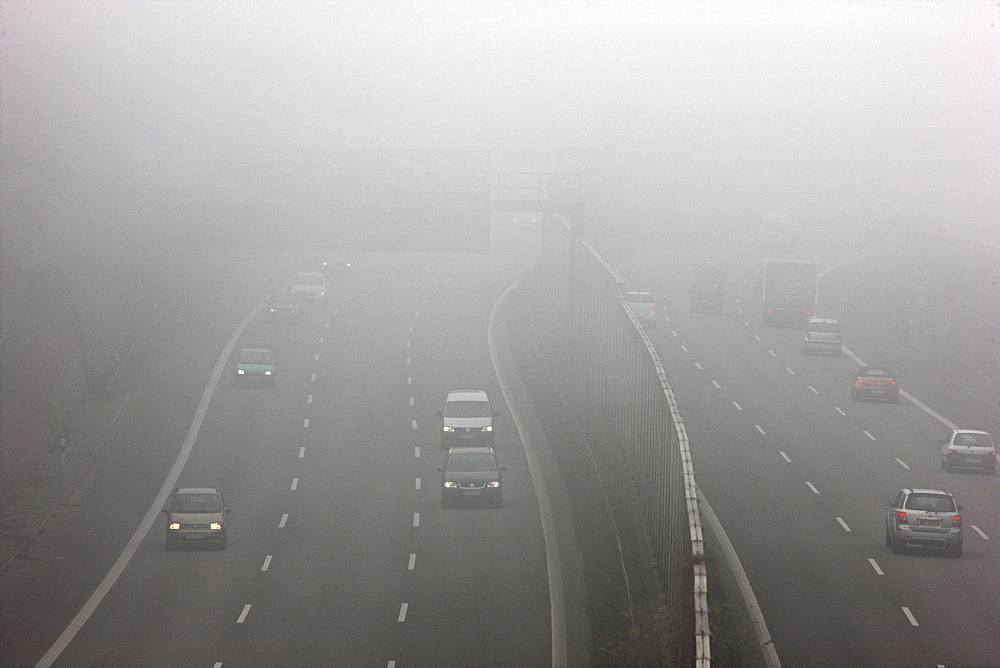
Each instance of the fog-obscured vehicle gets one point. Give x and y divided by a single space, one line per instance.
968 448
286 306
196 516
822 336
707 295
712 268
643 307
339 264
472 473
255 365
789 291
311 285
467 419
875 383
924 517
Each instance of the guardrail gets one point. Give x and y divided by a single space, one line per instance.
628 384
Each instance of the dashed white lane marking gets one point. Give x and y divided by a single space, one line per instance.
302 452
684 348
789 370
902 463
416 451
772 353
746 323
812 389
697 365
217 664
408 360
391 664
283 521
322 339
295 484
812 487
327 325
408 344
739 311
243 615
869 435
309 399
413 423
402 612
413 562
875 566
840 520
435 291
416 519
674 332
909 615
424 303
313 379
738 407
416 314
409 380
760 429
980 532
411 328
267 563
305 423
757 337
784 456
837 408
416 484
411 401
316 357
717 386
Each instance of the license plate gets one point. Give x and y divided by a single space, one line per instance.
878 391
930 523
973 460
472 492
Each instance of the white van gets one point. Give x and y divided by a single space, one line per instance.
467 419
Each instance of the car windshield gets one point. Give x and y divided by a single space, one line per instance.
196 503
309 279
974 439
706 288
462 462
255 357
638 298
824 327
931 503
467 409
873 372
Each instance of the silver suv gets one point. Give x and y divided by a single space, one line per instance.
924 517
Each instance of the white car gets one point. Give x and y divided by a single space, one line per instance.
968 448
643 307
311 285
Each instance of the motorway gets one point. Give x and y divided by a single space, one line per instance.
799 474
339 551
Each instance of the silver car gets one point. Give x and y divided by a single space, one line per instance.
197 516
924 517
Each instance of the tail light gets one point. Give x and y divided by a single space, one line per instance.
956 522
950 451
892 382
861 381
901 518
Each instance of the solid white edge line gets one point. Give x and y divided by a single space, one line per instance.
743 583
875 566
909 616
557 600
154 510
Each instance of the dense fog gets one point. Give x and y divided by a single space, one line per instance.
710 112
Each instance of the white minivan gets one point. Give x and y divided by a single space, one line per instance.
467 419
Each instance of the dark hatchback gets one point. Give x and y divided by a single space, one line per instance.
472 473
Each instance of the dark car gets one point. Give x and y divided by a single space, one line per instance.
197 516
286 306
472 473
712 268
875 382
708 295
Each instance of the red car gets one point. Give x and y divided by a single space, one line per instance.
875 382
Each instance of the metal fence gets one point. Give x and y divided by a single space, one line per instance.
628 385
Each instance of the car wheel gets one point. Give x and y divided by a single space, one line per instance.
171 546
888 539
943 465
956 551
991 470
854 395
499 502
947 466
445 501
895 399
223 541
897 546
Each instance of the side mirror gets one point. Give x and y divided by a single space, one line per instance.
165 511
940 442
961 508
225 511
503 468
496 413
440 414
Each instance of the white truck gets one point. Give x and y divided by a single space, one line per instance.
789 291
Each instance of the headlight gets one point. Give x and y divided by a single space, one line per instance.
267 373
175 525
321 293
240 371
449 429
488 428
493 483
449 483
215 526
